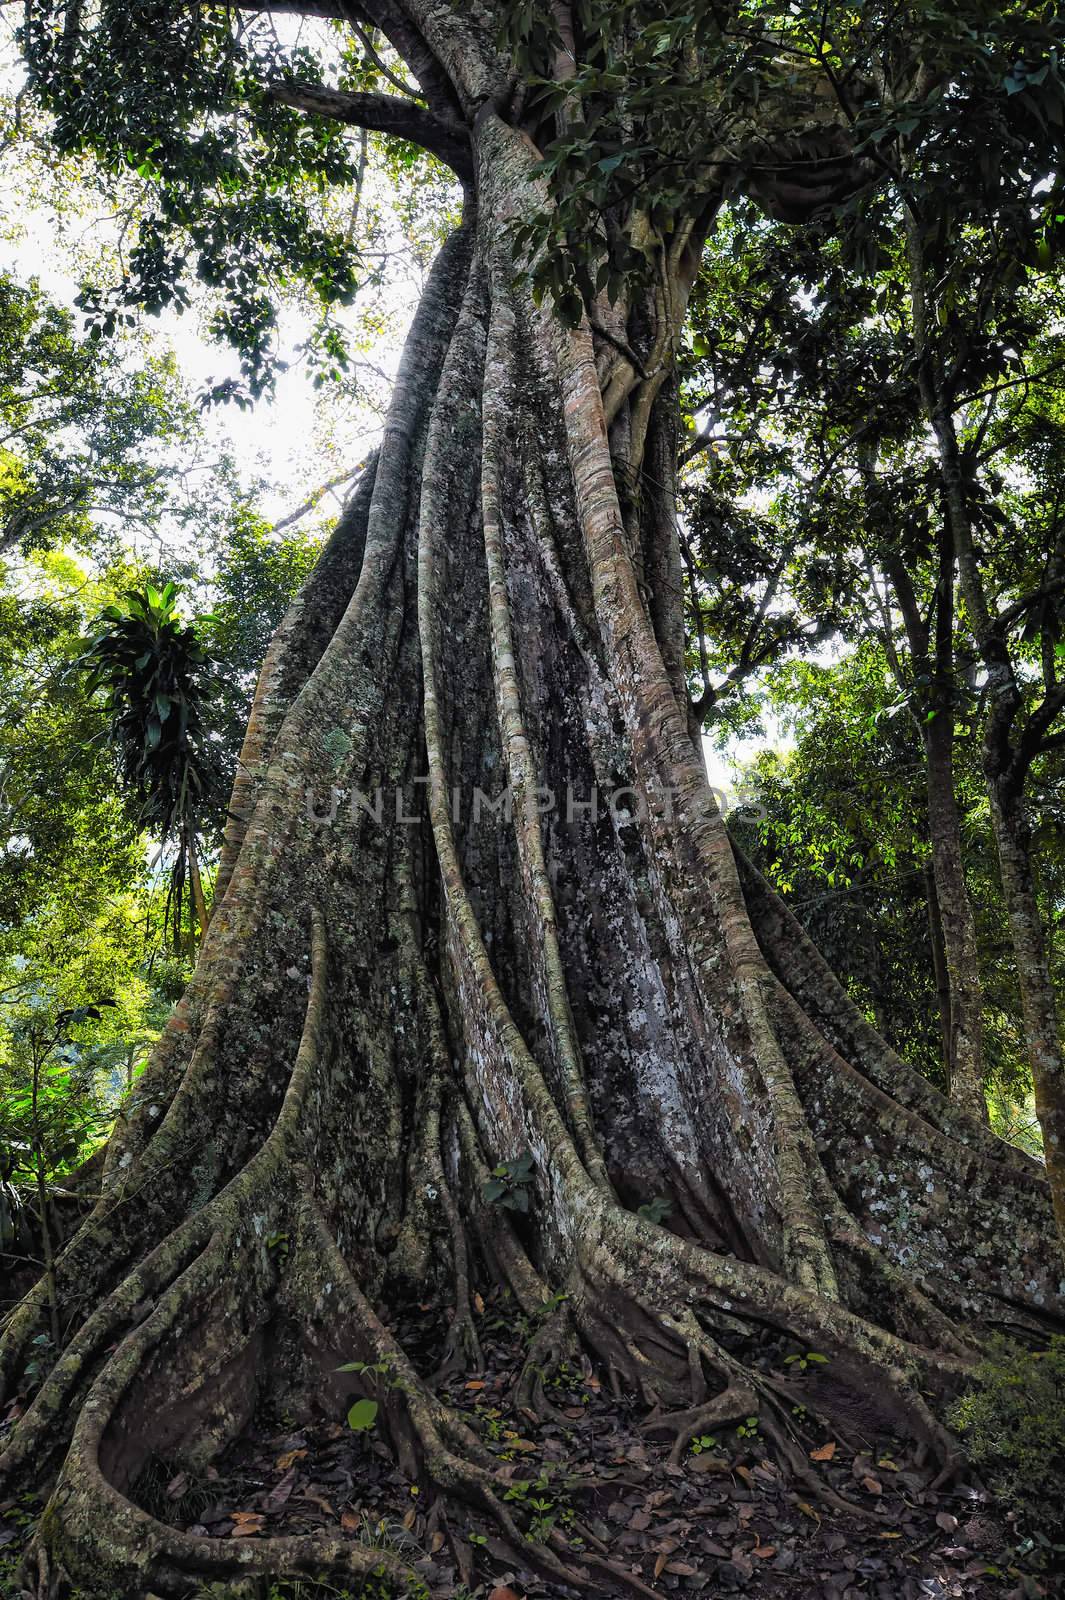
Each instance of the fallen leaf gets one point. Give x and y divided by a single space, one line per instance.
350 1521
808 1511
682 1569
503 1592
318 1500
408 1519
476 1383
825 1452
281 1491
660 1564
873 1485
764 1551
284 1462
478 1305
177 1486
891 1536
947 1522
745 1474
246 1524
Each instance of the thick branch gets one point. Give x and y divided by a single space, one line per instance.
383 113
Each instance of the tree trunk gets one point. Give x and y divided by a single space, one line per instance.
1041 1026
939 965
385 1009
965 1058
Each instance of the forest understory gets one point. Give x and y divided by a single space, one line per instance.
864 1517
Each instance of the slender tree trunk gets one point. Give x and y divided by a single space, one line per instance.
559 954
1004 699
965 1057
199 900
952 924
939 966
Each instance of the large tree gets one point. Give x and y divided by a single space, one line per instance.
560 970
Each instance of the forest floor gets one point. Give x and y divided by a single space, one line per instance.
723 1521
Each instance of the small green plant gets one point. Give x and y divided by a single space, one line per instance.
804 1362
510 1185
545 1505
703 1441
658 1210
1012 1423
362 1416
748 1428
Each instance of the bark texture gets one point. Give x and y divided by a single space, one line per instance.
384 1009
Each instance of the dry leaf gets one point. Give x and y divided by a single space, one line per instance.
873 1485
764 1551
502 1592
825 1453
660 1563
281 1491
947 1522
408 1518
284 1462
475 1383
681 1568
350 1521
478 1305
177 1486
318 1500
436 1542
746 1475
891 1536
808 1511
246 1524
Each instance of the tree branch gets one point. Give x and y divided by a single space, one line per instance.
383 113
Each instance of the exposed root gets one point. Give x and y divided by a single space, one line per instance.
730 1406
552 1344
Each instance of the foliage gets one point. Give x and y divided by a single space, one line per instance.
225 177
255 575
511 1182
652 98
1012 1422
89 433
157 681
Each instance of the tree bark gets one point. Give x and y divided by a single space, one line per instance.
965 1057
384 1009
952 923
1041 1024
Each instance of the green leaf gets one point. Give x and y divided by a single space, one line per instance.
362 1415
